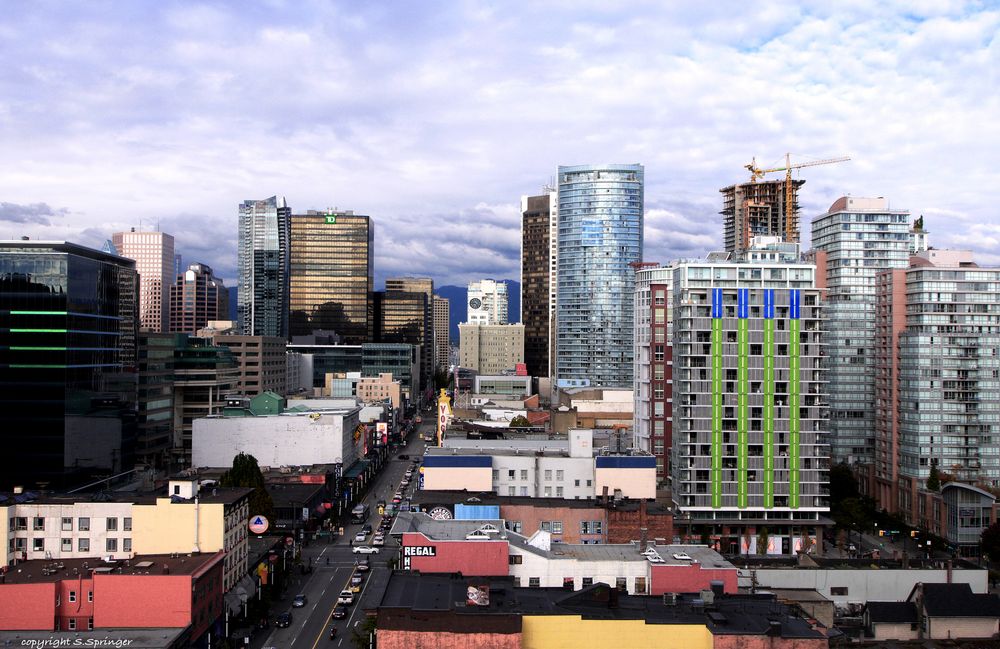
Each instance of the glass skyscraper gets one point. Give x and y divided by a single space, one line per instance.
68 330
600 216
263 265
861 237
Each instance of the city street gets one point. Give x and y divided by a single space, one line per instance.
311 624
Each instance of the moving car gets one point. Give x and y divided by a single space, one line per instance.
364 549
339 612
346 597
379 540
357 580
299 601
284 620
364 564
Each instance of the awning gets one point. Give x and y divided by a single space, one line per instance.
244 589
356 470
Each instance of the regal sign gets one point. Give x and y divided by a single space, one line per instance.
419 551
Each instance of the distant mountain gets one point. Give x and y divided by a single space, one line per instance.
458 308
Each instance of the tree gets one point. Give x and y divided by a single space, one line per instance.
362 634
246 473
990 541
934 479
519 422
763 538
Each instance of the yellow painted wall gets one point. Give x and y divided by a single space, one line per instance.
573 632
169 527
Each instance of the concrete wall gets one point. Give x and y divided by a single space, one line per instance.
886 631
633 483
170 527
27 606
457 478
282 440
961 627
891 585
53 513
573 632
551 571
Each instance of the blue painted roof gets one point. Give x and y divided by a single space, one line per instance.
625 462
464 461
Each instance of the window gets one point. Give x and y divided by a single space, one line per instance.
840 591
640 585
548 492
38 524
524 491
621 583
524 474
559 492
496 475
126 545
20 545
67 545
576 483
588 581
67 524
511 491
112 524
560 475
545 526
19 523
90 595
515 526
72 622
83 545
515 559
72 595
569 583
111 545
557 527
83 524
511 474
90 624
534 582
38 545
177 490
127 524
590 483
548 474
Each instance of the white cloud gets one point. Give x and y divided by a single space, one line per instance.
434 119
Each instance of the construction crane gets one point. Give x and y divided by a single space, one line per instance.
757 173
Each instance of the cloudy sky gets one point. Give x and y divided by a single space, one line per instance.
435 117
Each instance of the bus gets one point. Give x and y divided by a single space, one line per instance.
360 513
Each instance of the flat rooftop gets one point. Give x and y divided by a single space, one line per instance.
208 495
430 593
159 638
40 571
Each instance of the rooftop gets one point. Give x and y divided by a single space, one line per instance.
957 600
159 638
425 593
39 571
421 497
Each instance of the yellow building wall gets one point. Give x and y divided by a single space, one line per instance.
169 527
573 632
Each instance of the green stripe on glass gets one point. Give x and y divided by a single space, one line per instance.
38 313
768 413
38 349
716 413
38 331
793 414
742 401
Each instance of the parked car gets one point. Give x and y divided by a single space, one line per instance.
346 597
299 601
339 612
284 620
364 549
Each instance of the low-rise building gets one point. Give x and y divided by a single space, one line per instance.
170 591
460 611
518 387
954 612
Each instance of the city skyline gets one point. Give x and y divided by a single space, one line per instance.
386 123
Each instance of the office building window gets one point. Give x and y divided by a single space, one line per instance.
112 524
67 545
560 475
127 524
38 524
524 474
111 545
38 545
588 581
559 492
557 527
83 545
126 545
524 491
83 524
72 595
548 474
534 582
67 524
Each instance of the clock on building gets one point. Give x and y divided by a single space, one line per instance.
475 303
440 513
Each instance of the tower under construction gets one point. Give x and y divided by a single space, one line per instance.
759 209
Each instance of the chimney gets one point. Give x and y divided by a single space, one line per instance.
949 566
166 569
642 539
718 587
604 496
642 513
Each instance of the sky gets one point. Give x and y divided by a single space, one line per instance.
436 117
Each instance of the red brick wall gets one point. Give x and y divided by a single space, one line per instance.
206 598
767 642
624 526
27 607
482 558
135 601
689 579
531 516
394 639
81 610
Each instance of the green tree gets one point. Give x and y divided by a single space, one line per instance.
934 479
763 538
245 472
519 421
442 380
363 633
990 541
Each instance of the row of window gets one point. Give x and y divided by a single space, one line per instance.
66 545
569 583
20 523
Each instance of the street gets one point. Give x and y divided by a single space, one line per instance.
310 627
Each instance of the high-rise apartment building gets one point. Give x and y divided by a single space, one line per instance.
487 302
937 377
758 209
68 390
155 426
263 265
398 319
600 218
491 350
332 274
652 413
196 298
203 375
442 333
861 238
153 253
749 448
539 238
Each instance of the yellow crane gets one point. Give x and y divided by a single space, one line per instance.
756 173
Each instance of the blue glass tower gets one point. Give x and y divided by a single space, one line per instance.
600 216
263 263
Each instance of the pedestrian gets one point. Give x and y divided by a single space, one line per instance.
352 543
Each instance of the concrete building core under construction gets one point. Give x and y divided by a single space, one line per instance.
759 209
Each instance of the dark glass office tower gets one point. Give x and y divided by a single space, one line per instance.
332 275
68 388
403 318
263 265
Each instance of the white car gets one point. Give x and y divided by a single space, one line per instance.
364 549
378 540
346 597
